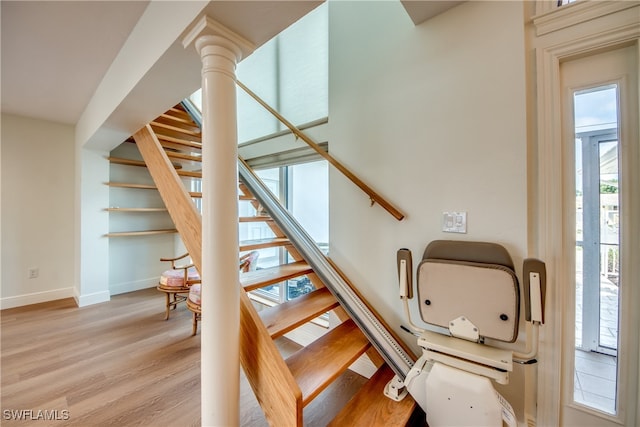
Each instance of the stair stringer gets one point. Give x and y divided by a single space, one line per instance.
394 352
272 382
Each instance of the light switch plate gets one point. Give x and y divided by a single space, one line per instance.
454 222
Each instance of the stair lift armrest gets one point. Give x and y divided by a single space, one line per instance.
534 286
405 279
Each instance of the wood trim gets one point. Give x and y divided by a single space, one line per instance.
175 197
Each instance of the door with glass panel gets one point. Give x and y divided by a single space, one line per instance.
600 128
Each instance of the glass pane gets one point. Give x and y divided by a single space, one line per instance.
269 257
290 72
597 247
609 244
309 198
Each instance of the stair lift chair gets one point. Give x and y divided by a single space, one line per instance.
470 292
247 262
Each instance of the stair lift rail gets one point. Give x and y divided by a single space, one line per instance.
390 350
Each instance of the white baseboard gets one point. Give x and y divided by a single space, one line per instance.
90 299
121 288
36 297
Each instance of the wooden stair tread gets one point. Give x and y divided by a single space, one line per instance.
268 276
321 362
251 245
175 132
183 156
257 218
178 143
370 407
191 174
133 162
178 111
285 317
178 121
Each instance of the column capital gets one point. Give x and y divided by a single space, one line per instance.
207 31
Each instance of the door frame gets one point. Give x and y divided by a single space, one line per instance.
563 34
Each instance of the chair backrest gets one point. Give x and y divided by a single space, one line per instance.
473 281
249 261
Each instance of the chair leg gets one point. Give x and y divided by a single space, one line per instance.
168 305
195 324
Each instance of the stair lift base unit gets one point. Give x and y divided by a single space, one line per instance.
471 290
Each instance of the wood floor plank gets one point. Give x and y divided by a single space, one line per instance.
120 363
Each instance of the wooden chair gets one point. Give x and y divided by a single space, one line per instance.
247 262
176 282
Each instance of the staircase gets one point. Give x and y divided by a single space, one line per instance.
170 146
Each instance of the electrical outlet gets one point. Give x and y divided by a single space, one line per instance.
33 273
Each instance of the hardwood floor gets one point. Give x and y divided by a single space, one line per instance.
119 363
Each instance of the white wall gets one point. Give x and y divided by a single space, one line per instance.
434 118
37 210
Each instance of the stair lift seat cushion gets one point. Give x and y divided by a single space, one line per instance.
175 278
194 294
485 293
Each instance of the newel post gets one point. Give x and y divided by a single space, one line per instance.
220 50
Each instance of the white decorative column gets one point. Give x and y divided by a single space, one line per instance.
220 50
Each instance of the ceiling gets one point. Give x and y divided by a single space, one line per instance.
54 53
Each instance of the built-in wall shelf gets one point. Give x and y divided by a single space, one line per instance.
131 185
194 194
140 233
132 162
136 209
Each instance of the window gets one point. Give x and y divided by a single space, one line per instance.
290 72
303 189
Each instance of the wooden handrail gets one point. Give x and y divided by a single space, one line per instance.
375 197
